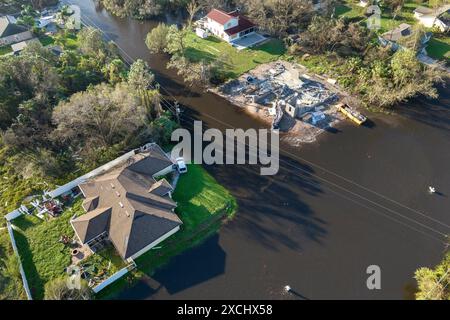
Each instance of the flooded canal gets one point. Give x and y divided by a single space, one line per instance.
356 197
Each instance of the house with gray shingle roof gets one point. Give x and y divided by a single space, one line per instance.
11 32
128 206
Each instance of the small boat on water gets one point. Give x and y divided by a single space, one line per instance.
352 114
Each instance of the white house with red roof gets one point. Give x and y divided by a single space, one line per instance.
229 26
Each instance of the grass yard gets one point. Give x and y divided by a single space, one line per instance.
235 62
350 10
439 48
5 50
10 281
46 40
43 257
202 204
197 202
104 263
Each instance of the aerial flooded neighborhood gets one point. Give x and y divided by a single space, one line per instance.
257 150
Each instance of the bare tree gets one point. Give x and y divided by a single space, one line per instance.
192 8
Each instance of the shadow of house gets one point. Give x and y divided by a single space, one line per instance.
195 266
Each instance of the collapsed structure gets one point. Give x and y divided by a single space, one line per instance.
282 91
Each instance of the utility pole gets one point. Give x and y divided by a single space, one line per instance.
177 111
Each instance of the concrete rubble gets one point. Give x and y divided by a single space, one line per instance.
285 96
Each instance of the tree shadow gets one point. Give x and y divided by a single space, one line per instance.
432 112
24 223
271 211
199 55
190 268
35 282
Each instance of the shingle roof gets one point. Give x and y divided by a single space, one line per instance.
423 10
92 224
402 30
140 210
161 188
9 27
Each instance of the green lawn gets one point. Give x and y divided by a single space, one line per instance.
46 40
10 281
349 9
202 204
4 50
235 62
43 257
104 263
439 48
199 197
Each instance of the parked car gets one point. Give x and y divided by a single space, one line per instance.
181 165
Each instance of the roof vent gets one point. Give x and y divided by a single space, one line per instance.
112 185
127 213
121 204
118 193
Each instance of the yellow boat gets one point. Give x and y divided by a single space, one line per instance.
352 114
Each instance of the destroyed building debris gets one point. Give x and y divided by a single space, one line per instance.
286 96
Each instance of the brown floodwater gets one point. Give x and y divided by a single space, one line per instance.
356 197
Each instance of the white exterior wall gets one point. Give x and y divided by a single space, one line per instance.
215 28
427 21
432 21
219 30
13 214
16 38
116 276
154 243
22 272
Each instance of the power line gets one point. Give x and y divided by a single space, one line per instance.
171 108
438 283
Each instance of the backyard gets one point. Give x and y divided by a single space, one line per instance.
10 281
5 50
233 62
202 205
43 257
439 48
351 10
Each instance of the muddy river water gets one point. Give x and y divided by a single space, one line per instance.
356 197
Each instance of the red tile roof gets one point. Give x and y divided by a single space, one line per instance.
219 16
223 17
243 25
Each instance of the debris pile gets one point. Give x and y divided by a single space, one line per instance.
288 98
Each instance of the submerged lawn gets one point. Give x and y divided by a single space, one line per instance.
202 205
43 256
235 62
